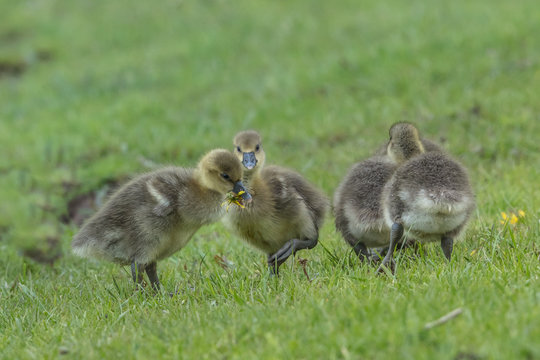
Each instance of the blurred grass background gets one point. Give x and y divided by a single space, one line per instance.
91 92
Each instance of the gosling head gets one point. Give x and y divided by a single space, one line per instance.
248 149
222 172
404 142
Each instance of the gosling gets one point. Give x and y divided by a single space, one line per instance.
428 198
156 214
286 212
357 205
357 201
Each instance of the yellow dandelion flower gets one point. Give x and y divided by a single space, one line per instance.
513 219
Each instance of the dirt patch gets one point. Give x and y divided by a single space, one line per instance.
44 55
15 67
476 110
10 68
47 255
3 231
467 356
82 206
335 139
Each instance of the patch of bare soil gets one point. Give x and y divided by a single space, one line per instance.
3 231
45 255
11 68
467 356
82 206
43 55
16 67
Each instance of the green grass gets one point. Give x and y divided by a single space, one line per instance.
107 83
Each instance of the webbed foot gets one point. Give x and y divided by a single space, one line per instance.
290 248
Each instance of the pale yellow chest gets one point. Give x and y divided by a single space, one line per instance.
174 241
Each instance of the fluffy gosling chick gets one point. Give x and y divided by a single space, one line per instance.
401 134
156 214
358 207
357 200
286 212
428 198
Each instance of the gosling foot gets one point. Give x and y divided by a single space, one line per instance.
151 271
137 272
447 245
395 236
362 252
389 266
290 248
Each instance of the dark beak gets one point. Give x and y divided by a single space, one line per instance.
249 160
238 187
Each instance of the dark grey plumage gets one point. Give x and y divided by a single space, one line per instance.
428 198
359 201
357 204
358 198
286 212
430 195
156 214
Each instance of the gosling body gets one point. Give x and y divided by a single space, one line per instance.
156 214
358 203
286 212
428 198
358 208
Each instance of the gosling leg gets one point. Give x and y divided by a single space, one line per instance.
361 251
377 254
137 272
405 244
447 245
151 271
273 267
395 235
290 248
359 248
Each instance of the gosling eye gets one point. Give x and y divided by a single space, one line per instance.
258 147
225 176
238 149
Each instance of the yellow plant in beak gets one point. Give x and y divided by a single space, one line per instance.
234 199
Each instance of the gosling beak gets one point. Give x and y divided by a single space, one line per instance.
238 187
249 160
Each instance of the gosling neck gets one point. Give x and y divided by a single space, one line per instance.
249 176
399 152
